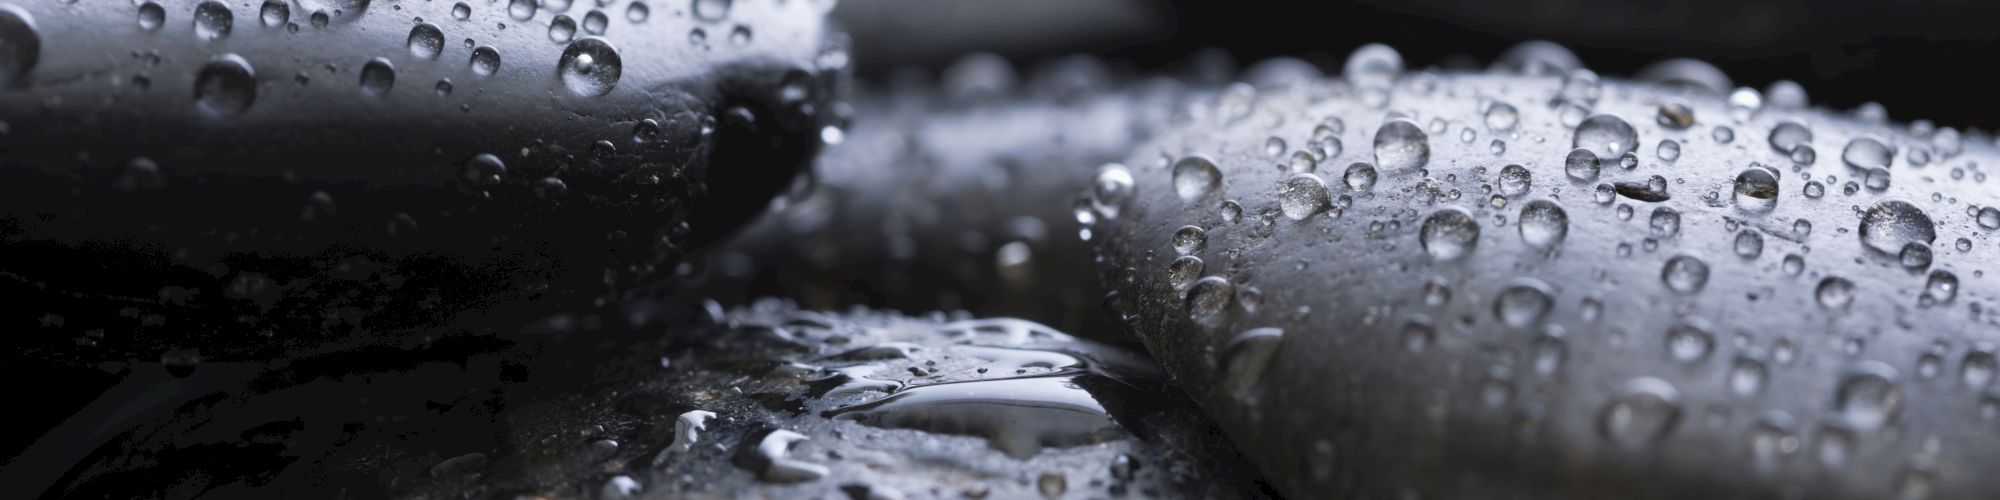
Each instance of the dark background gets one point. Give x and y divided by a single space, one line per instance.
1921 59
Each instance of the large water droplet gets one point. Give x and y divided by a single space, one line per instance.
1449 233
590 67
1196 176
1891 224
1401 145
1644 411
1302 196
225 86
1685 274
1543 224
1606 135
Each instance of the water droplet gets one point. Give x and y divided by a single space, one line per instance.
590 67
1788 136
1891 224
426 41
1835 292
485 61
1685 274
1915 256
1723 134
1941 287
562 29
1579 88
1867 397
212 20
1208 298
595 21
522 10
461 11
1664 223
1195 177
1644 411
1676 116
1418 334
773 451
1449 234
711 10
1814 189
1302 162
1543 224
1581 164
276 13
1190 240
1978 368
377 77
1606 135
1989 218
1746 376
1749 244
1302 196
1373 66
1246 357
443 88
1183 271
1274 147
1231 211
1400 145
1360 176
1757 189
1866 154
151 16
1690 341
1515 180
638 12
1502 117
1111 190
1523 303
225 86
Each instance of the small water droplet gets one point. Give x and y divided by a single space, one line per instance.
485 61
1608 136
151 16
1749 244
1190 240
1581 164
1891 224
426 41
1757 189
711 10
1690 342
225 86
1868 397
590 67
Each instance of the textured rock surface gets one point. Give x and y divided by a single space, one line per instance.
234 180
954 195
1446 324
